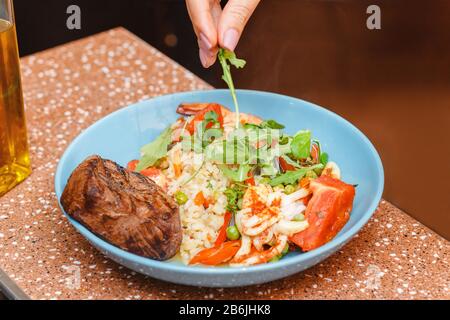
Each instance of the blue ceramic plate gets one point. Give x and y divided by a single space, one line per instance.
120 135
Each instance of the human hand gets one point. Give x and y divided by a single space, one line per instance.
215 27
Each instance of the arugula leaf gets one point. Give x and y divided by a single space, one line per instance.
284 140
238 175
291 177
226 57
155 150
272 124
323 158
301 144
251 126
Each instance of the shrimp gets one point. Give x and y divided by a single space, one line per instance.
191 109
229 120
229 117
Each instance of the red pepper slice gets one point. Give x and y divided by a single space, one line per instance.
132 165
285 166
222 236
217 254
149 172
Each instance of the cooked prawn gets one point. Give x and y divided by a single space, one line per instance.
191 109
229 117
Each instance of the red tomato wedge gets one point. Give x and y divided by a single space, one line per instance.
285 166
132 165
149 172
222 236
201 115
217 254
327 212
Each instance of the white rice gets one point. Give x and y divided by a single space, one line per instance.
200 226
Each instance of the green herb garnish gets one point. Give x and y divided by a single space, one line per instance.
323 158
272 124
239 175
227 58
301 144
234 194
155 150
291 177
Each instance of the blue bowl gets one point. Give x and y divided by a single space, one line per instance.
120 135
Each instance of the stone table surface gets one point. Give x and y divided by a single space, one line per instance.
69 87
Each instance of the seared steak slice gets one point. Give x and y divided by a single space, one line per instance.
125 208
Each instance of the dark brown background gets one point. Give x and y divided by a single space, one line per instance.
393 83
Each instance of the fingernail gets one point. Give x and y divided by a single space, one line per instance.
206 59
203 42
230 39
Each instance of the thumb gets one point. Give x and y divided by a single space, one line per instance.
233 20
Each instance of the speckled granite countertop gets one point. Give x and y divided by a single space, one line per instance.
68 88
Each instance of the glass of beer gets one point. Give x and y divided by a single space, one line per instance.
14 156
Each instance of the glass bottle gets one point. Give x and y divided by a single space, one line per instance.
14 154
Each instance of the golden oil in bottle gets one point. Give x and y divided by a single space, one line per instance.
14 156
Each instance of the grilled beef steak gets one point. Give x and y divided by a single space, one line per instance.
125 208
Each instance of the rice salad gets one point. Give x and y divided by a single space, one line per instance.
245 201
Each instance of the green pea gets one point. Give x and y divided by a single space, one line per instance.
318 171
275 259
285 250
311 174
299 217
181 197
324 158
279 186
264 180
233 233
289 189
239 203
